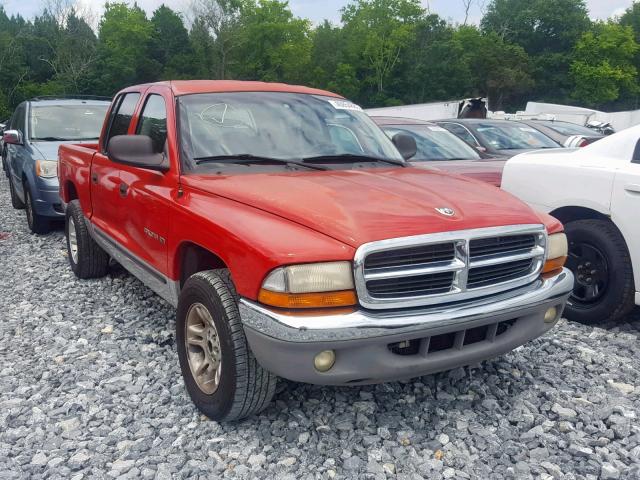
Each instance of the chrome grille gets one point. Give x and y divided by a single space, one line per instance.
447 267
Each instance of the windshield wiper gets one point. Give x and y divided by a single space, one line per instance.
248 158
353 158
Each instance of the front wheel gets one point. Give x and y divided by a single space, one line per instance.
599 259
220 372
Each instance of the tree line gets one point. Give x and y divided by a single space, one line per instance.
382 52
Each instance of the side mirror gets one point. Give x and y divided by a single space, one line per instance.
13 137
406 145
136 151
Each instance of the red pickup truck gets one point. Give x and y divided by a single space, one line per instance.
295 241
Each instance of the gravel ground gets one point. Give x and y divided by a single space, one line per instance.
90 388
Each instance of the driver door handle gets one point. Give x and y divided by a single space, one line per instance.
632 187
124 189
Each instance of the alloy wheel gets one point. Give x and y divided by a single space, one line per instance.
202 344
73 240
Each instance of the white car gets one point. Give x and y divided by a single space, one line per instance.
595 192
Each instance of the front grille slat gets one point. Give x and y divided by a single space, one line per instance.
422 254
450 266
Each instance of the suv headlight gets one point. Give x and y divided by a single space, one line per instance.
557 250
313 285
47 168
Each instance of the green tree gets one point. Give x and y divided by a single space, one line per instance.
222 20
432 66
377 33
170 46
547 30
603 68
499 70
276 45
125 37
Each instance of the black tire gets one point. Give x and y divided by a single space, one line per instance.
15 200
37 223
614 297
244 388
91 261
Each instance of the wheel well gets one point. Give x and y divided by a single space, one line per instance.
70 192
569 214
193 258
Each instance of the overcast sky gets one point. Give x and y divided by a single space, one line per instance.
317 10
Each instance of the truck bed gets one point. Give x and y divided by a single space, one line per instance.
74 168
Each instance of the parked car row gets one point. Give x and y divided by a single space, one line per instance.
299 240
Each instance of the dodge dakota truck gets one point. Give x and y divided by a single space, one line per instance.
296 242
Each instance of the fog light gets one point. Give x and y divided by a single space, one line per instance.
324 360
551 315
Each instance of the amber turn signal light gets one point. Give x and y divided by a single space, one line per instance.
554 264
344 298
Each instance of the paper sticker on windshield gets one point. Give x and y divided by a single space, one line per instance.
527 129
437 129
345 105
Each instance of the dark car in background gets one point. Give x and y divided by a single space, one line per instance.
567 134
37 128
504 138
439 148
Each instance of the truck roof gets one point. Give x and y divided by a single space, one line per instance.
187 87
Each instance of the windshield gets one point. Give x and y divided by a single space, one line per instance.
566 128
66 122
282 126
434 143
516 136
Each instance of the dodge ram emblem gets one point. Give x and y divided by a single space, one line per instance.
447 212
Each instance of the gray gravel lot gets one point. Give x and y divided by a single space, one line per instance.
90 388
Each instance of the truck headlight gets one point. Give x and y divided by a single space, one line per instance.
313 285
557 250
46 168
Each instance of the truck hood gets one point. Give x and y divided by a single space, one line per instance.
360 206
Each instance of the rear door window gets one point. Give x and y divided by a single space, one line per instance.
123 112
153 122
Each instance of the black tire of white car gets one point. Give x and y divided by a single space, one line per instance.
15 201
243 387
36 222
91 261
618 297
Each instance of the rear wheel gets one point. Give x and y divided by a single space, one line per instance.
86 258
220 372
599 259
15 200
36 222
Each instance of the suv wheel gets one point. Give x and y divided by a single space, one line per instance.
598 257
15 200
220 372
86 258
37 223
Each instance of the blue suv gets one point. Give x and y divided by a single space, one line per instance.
31 140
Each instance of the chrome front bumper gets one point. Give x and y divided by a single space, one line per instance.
286 344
